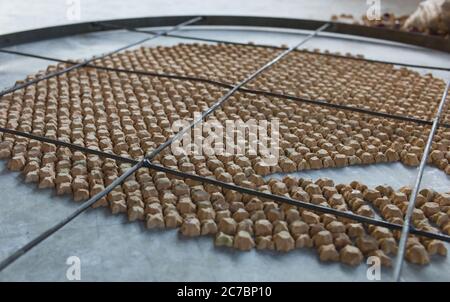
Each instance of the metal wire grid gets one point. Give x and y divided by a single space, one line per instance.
146 161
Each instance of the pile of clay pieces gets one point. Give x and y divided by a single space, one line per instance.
131 114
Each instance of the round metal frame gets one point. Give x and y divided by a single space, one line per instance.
417 39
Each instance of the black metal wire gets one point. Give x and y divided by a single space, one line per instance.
297 203
322 103
132 29
230 186
86 205
68 145
415 190
35 56
85 62
378 61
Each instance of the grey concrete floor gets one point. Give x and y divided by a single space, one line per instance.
110 248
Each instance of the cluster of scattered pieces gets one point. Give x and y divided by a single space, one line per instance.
387 20
131 115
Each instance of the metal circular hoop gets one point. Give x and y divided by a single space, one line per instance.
417 39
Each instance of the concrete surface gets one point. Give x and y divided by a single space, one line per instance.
110 248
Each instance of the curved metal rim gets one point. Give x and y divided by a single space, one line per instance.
417 39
